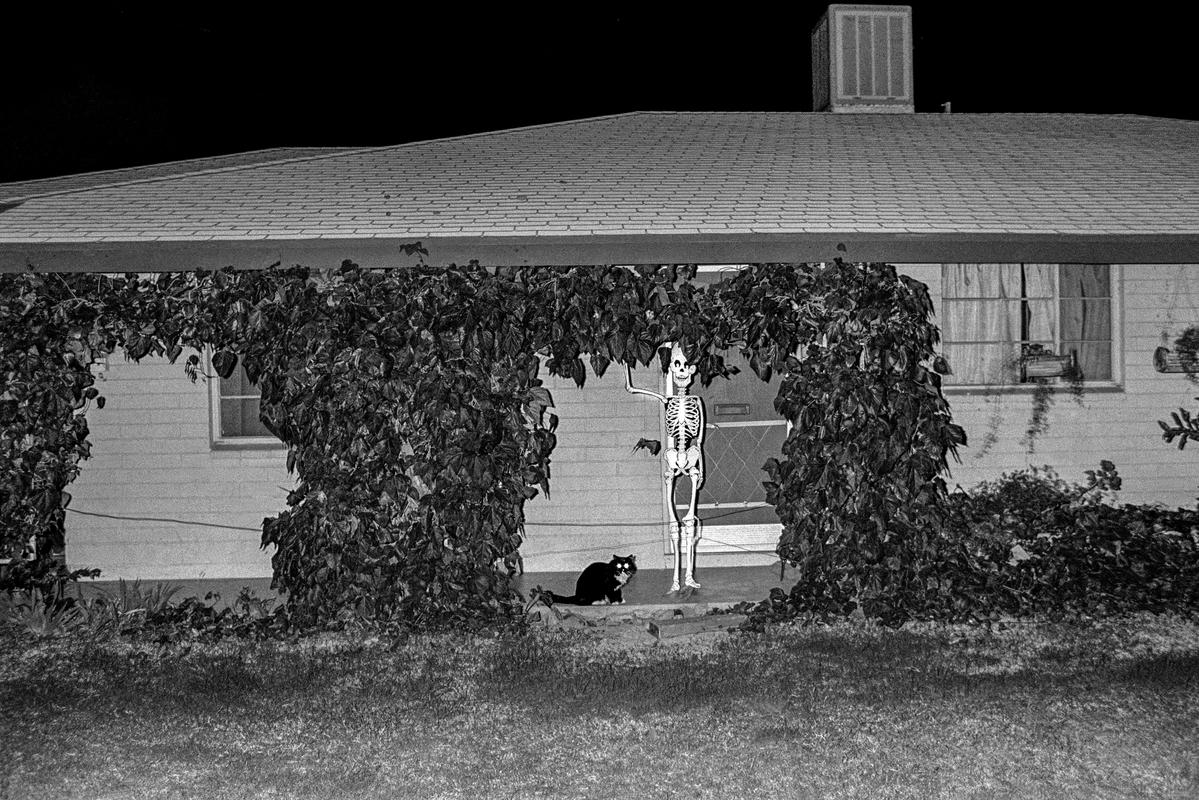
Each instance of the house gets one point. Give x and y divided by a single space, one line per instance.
1076 232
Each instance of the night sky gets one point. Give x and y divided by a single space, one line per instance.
119 84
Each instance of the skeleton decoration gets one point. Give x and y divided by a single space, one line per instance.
683 455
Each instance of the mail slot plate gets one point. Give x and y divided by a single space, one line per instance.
732 409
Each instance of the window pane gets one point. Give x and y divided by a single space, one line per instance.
1036 280
1093 358
984 305
1086 280
981 320
237 383
982 363
240 418
981 280
1086 319
1040 321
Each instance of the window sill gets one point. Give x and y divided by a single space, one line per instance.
1028 388
249 443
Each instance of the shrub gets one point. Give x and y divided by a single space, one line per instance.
1031 543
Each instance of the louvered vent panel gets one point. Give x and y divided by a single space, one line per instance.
861 59
820 65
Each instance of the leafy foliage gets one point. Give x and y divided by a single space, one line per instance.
39 615
1185 428
1031 543
416 420
859 488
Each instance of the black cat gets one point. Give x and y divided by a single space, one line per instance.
600 582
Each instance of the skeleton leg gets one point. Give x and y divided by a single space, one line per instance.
690 533
675 532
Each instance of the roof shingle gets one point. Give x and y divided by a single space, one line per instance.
654 173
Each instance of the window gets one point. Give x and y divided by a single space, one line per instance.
991 313
235 402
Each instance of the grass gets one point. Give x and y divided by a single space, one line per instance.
1106 709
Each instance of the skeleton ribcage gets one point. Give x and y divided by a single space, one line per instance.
682 418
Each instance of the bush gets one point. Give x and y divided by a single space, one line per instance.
1031 543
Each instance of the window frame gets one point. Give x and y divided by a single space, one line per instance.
218 440
1116 299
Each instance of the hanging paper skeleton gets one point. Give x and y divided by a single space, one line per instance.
683 455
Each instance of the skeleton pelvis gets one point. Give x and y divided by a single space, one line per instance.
682 462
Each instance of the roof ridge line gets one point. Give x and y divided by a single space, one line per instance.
157 178
516 129
172 161
338 152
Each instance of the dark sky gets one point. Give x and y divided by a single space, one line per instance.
123 84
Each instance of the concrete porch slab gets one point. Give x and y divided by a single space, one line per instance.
719 586
645 596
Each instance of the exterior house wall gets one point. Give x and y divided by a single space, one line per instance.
152 456
1118 424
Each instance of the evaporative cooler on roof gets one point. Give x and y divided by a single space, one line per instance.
862 60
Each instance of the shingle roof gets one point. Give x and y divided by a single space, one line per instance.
676 174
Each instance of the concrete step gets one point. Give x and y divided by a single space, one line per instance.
685 626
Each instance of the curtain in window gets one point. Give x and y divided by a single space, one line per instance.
989 311
239 406
1087 318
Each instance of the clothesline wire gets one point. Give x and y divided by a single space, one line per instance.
569 551
175 521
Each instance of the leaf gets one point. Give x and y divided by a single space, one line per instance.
224 363
654 446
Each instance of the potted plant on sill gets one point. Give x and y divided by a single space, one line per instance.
1038 362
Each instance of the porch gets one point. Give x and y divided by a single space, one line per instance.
646 593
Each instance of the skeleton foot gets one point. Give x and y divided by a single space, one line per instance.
692 583
674 588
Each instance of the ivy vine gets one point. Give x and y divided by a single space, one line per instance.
416 420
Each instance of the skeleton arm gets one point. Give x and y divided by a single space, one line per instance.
631 389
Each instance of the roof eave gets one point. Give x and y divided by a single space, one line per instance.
732 248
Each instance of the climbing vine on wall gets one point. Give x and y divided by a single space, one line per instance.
859 486
416 419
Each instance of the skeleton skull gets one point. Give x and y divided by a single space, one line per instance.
680 371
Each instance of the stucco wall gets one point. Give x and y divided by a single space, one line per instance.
152 456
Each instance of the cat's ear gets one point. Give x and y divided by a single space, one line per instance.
632 558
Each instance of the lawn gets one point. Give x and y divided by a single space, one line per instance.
1101 709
